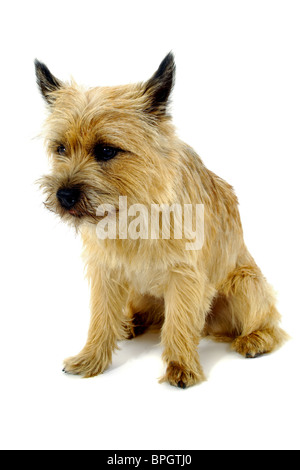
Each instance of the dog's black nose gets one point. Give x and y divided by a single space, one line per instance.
68 197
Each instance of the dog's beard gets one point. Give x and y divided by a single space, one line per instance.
84 211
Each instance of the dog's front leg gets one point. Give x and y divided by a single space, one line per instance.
188 298
106 326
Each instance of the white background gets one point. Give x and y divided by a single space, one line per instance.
237 102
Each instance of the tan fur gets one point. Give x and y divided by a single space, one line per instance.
217 291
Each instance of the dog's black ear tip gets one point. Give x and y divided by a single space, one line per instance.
169 59
42 70
47 82
160 85
39 65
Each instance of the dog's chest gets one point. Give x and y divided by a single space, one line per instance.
147 281
141 268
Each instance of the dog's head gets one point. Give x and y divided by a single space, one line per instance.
107 142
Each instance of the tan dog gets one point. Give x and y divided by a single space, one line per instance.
109 142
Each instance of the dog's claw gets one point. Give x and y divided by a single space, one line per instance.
181 384
250 356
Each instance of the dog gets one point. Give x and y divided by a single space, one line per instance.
108 143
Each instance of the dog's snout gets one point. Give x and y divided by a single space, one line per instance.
68 197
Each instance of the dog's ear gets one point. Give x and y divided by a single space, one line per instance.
158 88
47 83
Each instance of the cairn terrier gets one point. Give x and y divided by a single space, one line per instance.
110 142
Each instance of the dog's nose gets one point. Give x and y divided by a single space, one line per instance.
68 197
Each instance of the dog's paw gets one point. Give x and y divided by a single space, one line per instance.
181 376
85 365
259 342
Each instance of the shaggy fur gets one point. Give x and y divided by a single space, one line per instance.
217 291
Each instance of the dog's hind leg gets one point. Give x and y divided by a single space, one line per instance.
251 309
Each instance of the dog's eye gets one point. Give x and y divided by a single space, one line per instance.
61 150
104 152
